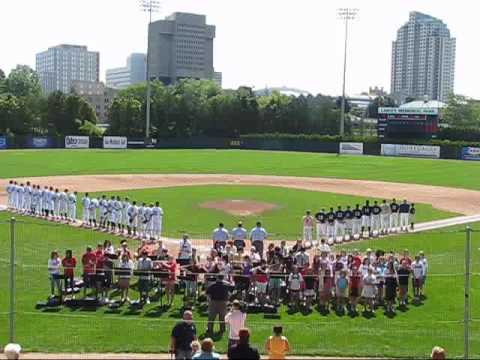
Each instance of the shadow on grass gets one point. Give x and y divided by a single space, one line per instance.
156 311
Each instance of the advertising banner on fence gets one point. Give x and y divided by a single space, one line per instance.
423 151
351 148
77 142
39 142
471 153
114 142
3 142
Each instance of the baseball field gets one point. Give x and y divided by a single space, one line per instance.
199 188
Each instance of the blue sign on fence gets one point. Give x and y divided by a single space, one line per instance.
39 142
471 153
3 142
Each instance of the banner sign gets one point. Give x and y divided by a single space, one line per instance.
409 111
471 153
3 142
423 151
351 148
39 142
114 142
77 142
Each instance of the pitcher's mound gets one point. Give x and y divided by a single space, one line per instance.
239 207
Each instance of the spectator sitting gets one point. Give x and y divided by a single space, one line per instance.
243 350
195 347
206 352
277 346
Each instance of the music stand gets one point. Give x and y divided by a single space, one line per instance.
160 274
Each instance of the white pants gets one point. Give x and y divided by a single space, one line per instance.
349 226
63 207
366 221
85 215
308 233
156 228
10 200
27 202
375 222
113 217
357 226
92 214
339 228
19 205
330 230
321 231
394 221
72 211
385 222
404 220
56 208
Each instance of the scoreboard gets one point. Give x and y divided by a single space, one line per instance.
407 122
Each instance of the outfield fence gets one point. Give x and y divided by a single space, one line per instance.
448 315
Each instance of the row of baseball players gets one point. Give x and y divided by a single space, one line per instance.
114 214
375 219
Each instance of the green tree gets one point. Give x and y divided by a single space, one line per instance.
9 108
379 101
23 82
459 112
126 117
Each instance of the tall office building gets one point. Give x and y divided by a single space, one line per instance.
97 95
133 73
60 65
181 46
423 59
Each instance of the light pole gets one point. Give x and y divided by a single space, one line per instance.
149 6
345 14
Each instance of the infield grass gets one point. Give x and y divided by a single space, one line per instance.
453 173
413 333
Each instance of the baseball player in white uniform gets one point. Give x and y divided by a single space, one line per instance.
125 206
141 220
132 213
117 213
92 212
20 193
56 204
72 206
147 215
63 204
86 207
14 195
308 222
45 197
36 200
9 190
111 213
157 219
51 204
27 198
239 235
103 207
385 217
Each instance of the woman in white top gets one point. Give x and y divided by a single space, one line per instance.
54 264
124 278
369 290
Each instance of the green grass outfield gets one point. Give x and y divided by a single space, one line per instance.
454 173
410 334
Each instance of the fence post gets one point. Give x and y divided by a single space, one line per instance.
11 318
466 318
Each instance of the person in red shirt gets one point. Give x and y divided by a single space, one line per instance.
355 285
171 267
69 263
357 260
89 262
406 257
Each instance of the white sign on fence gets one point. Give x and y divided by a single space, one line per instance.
351 148
77 142
424 151
114 142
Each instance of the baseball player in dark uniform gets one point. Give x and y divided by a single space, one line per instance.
339 224
357 221
348 222
404 210
376 211
366 219
321 219
394 217
412 216
331 224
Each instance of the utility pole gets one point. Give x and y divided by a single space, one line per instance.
149 6
345 14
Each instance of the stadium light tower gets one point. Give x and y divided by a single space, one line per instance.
150 6
345 14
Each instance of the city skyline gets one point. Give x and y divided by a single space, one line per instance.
301 46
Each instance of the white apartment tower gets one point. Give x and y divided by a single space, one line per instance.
423 59
59 66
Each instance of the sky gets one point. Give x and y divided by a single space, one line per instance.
258 42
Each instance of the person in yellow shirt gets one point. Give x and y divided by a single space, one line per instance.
277 346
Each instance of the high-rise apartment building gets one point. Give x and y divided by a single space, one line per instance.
60 65
423 59
97 95
133 73
181 46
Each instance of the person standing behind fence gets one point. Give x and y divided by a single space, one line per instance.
308 222
183 334
257 236
277 345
